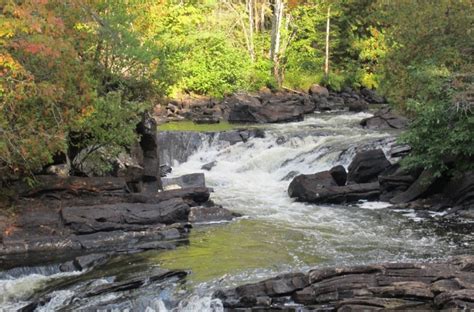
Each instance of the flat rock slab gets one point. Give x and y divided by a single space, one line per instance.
123 216
400 286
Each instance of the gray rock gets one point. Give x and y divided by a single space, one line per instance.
209 214
192 180
123 216
387 286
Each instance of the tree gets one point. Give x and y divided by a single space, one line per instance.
278 8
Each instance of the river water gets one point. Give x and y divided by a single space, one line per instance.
275 234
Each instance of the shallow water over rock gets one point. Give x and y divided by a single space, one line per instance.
275 235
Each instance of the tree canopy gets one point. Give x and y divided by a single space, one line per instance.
81 71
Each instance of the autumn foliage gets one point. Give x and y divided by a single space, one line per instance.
48 81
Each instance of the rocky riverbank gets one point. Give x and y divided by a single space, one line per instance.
271 107
444 285
371 176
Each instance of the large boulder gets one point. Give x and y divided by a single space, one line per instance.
304 186
331 102
385 119
244 108
323 187
357 105
366 166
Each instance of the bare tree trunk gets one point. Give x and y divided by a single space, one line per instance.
275 38
326 63
262 16
250 4
244 29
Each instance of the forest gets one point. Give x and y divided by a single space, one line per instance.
81 72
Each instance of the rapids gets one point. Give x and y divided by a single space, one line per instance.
275 235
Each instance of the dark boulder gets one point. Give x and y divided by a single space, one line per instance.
323 188
329 103
339 175
232 137
244 108
357 105
385 119
366 166
304 186
209 166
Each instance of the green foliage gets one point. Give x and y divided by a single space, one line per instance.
214 68
440 135
428 50
109 122
59 62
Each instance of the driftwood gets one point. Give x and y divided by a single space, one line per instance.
45 184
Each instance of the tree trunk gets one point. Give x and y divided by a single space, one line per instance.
250 5
278 7
326 63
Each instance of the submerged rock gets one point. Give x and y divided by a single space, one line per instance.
209 166
210 214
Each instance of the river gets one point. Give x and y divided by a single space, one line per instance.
274 235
